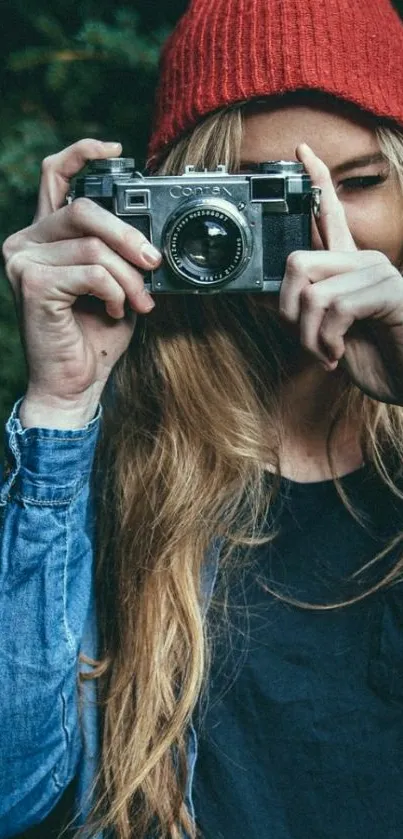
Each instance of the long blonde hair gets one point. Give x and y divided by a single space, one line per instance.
193 417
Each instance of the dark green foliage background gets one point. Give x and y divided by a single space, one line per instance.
68 70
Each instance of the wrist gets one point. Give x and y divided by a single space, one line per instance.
56 413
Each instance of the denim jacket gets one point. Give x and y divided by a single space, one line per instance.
48 616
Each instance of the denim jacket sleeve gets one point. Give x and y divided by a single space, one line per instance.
46 555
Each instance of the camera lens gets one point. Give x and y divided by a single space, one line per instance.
206 244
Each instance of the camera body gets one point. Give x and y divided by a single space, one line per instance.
219 232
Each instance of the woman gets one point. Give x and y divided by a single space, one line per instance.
246 610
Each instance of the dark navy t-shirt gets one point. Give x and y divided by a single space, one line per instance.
303 736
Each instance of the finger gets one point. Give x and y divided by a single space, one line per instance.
318 300
57 169
58 289
86 218
331 223
311 267
92 251
382 301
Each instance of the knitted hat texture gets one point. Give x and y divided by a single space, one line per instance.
227 51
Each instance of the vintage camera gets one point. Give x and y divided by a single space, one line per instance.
219 232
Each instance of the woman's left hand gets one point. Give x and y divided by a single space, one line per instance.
347 303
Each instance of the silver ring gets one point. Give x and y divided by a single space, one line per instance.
316 194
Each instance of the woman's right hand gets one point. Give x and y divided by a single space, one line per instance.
71 342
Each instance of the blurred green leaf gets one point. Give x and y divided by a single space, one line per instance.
50 27
28 142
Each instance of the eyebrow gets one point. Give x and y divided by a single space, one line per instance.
358 162
354 163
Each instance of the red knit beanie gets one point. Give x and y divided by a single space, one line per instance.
226 51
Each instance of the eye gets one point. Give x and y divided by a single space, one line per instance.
363 182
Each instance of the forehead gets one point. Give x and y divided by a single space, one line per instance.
273 134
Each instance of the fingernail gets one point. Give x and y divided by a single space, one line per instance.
150 254
110 143
147 301
329 366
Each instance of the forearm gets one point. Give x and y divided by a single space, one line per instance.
45 589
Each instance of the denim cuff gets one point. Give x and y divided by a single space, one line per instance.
46 465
